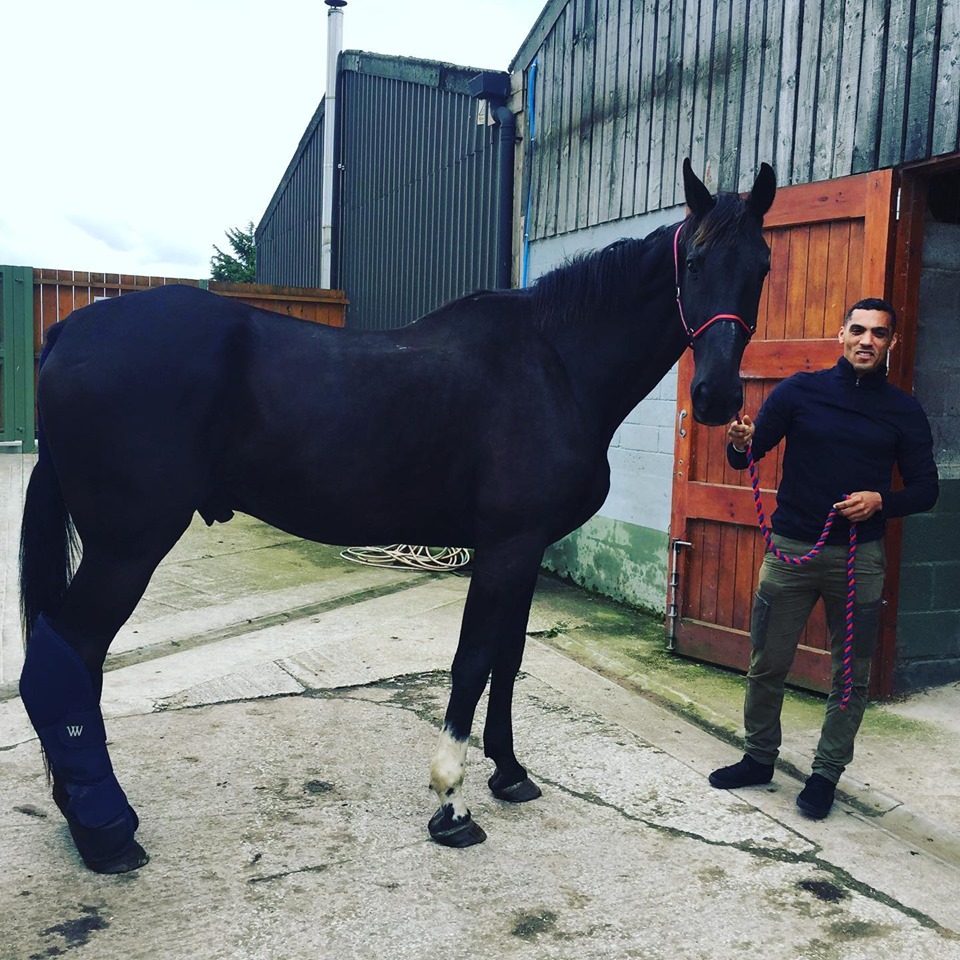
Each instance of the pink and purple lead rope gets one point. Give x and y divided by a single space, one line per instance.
806 558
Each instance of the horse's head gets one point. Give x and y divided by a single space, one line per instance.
721 262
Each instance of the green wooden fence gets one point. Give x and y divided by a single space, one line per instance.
16 360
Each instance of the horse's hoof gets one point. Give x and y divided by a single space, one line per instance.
518 792
444 829
111 848
132 858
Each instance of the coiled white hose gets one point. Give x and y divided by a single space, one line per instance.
405 555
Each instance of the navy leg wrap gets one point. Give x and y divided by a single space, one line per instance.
59 698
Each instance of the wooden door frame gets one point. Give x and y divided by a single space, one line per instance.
904 295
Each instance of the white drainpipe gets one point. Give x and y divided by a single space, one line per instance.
334 46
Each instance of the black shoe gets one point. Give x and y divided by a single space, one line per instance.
747 773
816 798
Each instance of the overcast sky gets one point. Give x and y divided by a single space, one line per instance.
134 134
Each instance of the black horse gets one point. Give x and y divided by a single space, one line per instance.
484 424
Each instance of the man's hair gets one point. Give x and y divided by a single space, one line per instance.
874 303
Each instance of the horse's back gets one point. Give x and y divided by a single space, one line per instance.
144 329
176 346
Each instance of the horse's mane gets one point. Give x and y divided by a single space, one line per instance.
612 279
722 224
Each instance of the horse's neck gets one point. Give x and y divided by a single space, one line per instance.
616 360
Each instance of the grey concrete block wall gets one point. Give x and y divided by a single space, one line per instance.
641 462
928 622
938 363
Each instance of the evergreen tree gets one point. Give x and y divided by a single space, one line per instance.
241 267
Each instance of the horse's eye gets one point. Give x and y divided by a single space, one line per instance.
693 264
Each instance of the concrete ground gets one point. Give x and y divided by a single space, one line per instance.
272 710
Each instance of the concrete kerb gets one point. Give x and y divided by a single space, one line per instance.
899 818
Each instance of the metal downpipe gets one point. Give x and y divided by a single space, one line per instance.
507 123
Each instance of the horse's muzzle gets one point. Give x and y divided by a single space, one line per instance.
714 407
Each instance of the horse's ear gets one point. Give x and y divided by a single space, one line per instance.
697 195
763 191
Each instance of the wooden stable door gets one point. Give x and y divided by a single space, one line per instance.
830 245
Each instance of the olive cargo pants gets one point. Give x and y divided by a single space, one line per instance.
786 594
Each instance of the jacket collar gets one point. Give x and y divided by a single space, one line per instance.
845 371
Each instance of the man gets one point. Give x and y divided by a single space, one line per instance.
845 429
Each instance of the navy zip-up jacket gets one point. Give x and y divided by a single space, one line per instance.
844 434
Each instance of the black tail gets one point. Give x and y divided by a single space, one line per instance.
48 541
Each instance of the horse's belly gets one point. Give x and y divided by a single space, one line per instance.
353 513
427 481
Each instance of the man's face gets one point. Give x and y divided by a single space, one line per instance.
867 339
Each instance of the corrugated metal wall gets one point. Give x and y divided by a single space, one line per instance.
288 235
416 196
625 89
418 201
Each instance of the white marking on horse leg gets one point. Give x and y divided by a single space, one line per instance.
447 770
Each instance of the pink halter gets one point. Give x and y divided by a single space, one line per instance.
691 333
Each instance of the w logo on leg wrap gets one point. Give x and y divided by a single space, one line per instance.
58 695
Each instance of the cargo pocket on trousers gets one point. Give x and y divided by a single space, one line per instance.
866 627
759 621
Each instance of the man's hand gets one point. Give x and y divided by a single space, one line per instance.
740 433
860 506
